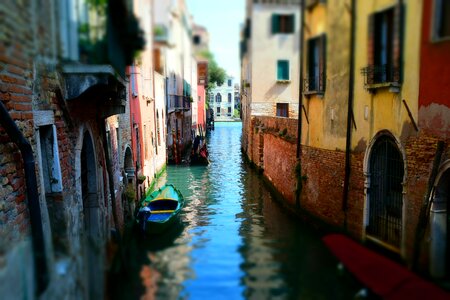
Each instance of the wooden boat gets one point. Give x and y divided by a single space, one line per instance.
385 278
200 158
160 209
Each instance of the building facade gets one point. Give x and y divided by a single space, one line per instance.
61 92
270 59
222 100
173 45
434 130
372 150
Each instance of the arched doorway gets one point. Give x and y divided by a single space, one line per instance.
440 222
91 209
385 192
130 194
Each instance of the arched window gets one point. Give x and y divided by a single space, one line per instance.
385 193
218 97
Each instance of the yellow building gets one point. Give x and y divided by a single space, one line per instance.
386 89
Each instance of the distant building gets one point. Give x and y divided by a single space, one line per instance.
174 60
200 38
269 64
222 100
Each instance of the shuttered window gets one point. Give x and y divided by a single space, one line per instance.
316 59
441 19
283 110
384 46
282 70
282 23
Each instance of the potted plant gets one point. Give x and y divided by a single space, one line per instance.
130 193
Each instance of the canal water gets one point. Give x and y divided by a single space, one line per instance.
234 241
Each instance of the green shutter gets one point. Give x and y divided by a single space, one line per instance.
275 23
291 24
283 70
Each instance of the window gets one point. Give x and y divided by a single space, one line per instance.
229 97
283 110
218 97
229 82
211 97
51 171
282 70
229 110
145 143
282 23
384 47
218 110
197 40
441 19
315 80
158 132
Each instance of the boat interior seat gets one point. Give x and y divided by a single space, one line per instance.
162 211
163 204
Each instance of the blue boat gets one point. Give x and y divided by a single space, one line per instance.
160 209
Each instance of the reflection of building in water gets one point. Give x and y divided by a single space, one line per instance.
261 270
175 261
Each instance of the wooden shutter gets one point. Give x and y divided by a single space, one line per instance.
291 28
322 61
157 60
370 49
275 23
398 42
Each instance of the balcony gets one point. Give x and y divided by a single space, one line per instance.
179 103
98 86
384 76
314 85
161 34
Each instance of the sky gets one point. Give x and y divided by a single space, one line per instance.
222 19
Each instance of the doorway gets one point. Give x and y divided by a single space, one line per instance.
385 192
439 225
91 211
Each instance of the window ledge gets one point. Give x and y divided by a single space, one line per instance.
284 81
308 93
394 87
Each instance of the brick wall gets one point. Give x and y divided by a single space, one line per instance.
16 54
420 153
279 165
323 188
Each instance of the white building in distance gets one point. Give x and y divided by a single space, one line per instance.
222 100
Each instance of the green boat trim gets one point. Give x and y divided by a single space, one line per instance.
160 209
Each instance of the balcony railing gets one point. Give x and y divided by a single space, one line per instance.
177 102
314 84
380 75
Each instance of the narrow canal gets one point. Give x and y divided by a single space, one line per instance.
233 241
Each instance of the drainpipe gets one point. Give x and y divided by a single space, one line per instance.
300 102
34 209
348 143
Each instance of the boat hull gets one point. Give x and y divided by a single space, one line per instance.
160 210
